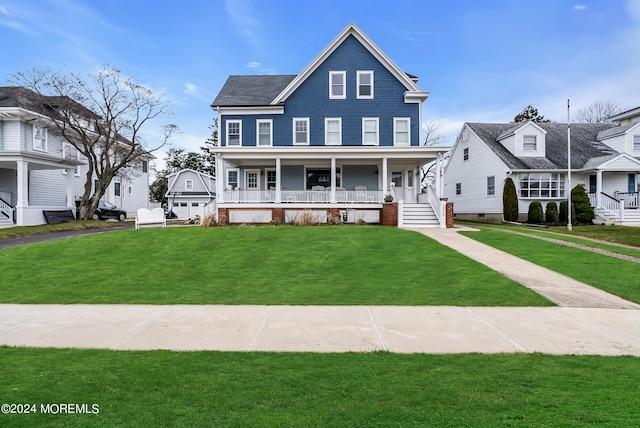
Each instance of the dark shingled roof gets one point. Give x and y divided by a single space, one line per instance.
18 96
247 91
584 146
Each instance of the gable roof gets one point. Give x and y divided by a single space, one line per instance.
251 90
352 29
626 115
616 130
584 147
21 97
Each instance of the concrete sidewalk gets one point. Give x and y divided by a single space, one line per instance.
560 289
433 329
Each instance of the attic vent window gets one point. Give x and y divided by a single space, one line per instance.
530 143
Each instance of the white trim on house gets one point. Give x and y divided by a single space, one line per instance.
258 134
295 132
327 141
342 86
360 73
396 120
234 122
365 132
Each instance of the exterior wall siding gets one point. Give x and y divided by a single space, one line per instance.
312 100
472 175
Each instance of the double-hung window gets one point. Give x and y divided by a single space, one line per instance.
188 185
232 178
300 130
365 84
491 186
234 132
465 154
401 131
369 131
264 132
116 189
338 85
333 131
39 138
529 143
636 143
458 188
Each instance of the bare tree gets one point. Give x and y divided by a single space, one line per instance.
102 116
432 138
598 112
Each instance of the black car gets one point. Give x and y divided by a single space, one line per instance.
107 210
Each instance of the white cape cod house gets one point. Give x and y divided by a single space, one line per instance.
334 139
40 171
605 159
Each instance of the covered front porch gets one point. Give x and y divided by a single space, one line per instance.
24 197
325 179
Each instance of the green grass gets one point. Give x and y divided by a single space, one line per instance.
254 265
613 275
167 389
20 231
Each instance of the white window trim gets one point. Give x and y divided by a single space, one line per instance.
188 184
227 133
46 137
258 122
377 121
524 144
635 141
358 74
465 152
395 122
246 179
458 186
344 85
306 119
266 177
117 185
237 175
326 131
76 171
492 187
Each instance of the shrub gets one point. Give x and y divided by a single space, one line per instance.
583 209
551 214
562 218
209 220
333 219
510 201
535 215
306 218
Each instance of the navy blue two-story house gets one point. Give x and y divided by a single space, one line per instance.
338 139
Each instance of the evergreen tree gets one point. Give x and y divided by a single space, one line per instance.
551 214
530 113
535 215
581 204
510 201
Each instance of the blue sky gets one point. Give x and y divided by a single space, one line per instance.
482 61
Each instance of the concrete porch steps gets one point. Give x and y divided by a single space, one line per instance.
419 215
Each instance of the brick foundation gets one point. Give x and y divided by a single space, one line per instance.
223 216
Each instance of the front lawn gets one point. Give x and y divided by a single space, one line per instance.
610 274
164 388
345 265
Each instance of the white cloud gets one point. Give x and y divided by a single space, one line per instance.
240 12
579 7
259 68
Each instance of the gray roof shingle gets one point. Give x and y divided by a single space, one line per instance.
251 90
584 147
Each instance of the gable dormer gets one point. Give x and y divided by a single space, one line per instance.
525 140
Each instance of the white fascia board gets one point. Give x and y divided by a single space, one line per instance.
415 96
625 115
322 152
251 110
627 156
351 29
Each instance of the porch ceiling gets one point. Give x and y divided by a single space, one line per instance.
356 154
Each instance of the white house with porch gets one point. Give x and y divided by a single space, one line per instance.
605 159
338 138
40 171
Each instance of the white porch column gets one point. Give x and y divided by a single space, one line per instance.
278 196
598 188
220 178
23 191
333 198
438 180
70 197
385 184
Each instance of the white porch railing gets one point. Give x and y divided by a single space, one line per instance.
613 206
439 208
630 198
302 196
